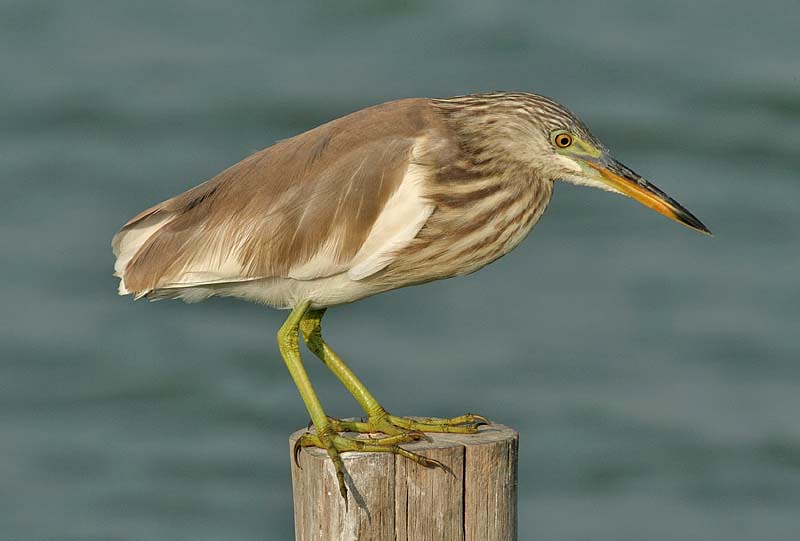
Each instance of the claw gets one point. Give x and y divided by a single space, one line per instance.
420 435
296 451
433 463
480 420
423 460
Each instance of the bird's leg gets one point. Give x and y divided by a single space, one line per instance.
378 419
326 436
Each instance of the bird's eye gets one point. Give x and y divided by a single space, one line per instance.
563 140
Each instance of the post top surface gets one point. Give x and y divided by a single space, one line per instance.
487 434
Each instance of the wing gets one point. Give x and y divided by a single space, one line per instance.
340 198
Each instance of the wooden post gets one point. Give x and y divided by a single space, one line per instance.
392 498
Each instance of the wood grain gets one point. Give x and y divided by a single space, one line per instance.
392 498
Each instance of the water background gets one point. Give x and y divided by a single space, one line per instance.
653 373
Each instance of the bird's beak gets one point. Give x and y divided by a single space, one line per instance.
623 180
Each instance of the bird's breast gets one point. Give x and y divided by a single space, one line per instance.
473 224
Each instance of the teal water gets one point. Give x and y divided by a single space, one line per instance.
653 373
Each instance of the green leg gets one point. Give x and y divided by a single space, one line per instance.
379 420
326 436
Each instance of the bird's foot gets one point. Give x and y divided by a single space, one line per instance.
393 425
335 444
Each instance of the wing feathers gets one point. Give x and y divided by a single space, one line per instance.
339 198
401 219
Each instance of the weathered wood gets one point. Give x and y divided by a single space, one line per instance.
393 499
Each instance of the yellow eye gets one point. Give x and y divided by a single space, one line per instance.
563 140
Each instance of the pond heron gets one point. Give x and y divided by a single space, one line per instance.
398 194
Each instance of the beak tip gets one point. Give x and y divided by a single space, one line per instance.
700 228
687 218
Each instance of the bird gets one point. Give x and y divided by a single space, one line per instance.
393 195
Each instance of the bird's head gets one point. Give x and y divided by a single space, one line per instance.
550 139
582 160
578 157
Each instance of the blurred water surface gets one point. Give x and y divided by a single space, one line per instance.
652 372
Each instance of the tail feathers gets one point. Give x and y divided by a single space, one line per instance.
130 239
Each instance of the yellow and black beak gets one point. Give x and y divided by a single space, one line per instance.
623 180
